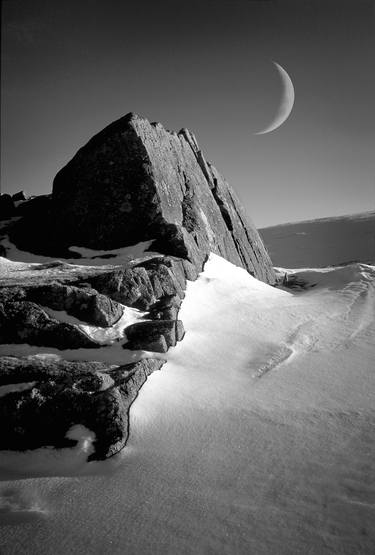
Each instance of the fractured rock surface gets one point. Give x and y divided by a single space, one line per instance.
62 394
84 303
27 322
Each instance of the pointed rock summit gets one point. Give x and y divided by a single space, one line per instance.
135 181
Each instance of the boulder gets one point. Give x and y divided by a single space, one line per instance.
27 322
83 303
135 181
143 335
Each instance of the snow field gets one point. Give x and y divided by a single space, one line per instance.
256 436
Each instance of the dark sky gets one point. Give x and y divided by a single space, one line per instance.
69 68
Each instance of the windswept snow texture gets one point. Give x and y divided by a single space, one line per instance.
323 242
256 437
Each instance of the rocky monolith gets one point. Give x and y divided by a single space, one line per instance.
135 181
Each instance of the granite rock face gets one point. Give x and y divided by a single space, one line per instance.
135 181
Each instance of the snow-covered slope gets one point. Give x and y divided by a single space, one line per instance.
323 242
256 437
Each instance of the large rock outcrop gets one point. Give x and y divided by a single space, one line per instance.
46 399
133 182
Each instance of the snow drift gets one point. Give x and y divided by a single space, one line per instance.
256 437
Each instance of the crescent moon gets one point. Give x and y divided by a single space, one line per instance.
286 104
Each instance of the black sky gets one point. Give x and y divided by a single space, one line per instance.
70 68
